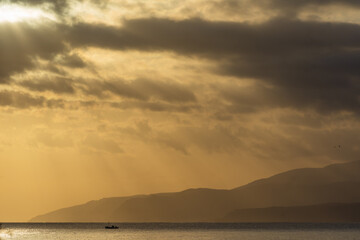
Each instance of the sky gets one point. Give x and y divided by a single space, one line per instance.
122 97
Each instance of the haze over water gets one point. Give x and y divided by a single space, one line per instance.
200 231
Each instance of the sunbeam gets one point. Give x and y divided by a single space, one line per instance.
16 13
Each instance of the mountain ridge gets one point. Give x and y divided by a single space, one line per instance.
297 187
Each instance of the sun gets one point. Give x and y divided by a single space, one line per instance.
16 13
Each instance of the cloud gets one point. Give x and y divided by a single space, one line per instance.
297 4
216 39
289 8
21 43
54 84
24 100
141 89
155 106
57 6
311 64
20 100
70 60
299 64
327 82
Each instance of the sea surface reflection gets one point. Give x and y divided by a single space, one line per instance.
190 231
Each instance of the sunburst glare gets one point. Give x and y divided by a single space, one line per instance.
16 13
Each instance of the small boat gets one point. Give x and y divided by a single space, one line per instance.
111 227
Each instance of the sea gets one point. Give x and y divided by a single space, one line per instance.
181 231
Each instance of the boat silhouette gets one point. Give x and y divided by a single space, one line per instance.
111 227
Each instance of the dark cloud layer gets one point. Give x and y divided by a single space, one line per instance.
301 64
22 43
310 64
296 4
196 36
289 8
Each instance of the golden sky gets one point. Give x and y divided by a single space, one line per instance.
121 97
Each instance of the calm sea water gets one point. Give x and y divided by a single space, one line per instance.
198 231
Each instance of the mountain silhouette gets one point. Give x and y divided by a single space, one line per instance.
337 183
